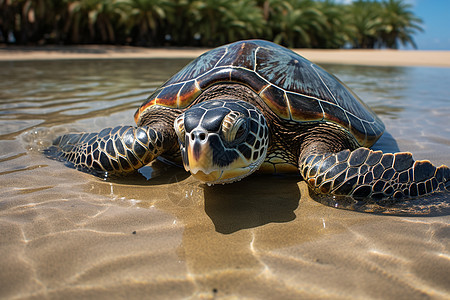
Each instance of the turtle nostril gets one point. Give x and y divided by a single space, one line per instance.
198 135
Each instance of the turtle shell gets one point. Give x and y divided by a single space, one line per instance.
291 86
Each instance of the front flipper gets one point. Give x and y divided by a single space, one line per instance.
112 151
368 174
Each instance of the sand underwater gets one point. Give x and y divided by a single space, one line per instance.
161 234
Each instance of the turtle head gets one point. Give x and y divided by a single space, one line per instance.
222 141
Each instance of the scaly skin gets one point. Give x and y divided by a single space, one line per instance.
368 174
118 151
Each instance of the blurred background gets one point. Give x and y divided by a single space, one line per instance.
207 23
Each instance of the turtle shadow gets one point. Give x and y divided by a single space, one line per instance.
258 200
157 173
432 205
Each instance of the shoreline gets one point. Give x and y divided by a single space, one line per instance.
339 56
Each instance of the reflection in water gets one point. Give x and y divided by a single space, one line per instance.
160 232
430 205
52 93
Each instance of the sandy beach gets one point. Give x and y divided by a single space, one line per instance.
355 57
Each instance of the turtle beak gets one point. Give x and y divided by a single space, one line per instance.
200 157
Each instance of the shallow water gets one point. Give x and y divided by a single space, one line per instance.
66 234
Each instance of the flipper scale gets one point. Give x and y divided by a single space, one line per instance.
112 151
393 176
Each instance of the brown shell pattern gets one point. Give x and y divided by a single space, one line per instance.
291 86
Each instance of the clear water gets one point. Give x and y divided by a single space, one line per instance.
64 233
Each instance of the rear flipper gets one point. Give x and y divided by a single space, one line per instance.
112 151
367 174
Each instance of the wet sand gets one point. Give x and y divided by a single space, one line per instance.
69 235
356 57
84 238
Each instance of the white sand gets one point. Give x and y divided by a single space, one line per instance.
359 57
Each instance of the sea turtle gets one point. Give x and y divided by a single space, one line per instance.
255 105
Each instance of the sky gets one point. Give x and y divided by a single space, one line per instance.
435 15
436 23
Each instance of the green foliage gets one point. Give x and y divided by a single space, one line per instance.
383 24
399 24
293 23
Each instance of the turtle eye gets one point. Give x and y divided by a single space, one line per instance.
234 127
179 128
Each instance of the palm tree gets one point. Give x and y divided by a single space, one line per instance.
366 21
144 19
337 31
103 19
399 24
273 10
178 26
8 10
28 20
207 20
243 20
88 19
299 24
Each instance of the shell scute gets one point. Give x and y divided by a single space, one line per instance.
216 75
357 128
372 131
274 97
289 71
304 108
188 93
168 95
199 66
240 54
335 114
247 77
338 93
